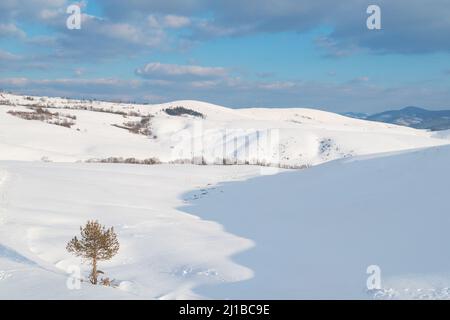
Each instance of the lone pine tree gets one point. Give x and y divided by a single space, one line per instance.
97 243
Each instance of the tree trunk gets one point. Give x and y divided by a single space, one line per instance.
94 271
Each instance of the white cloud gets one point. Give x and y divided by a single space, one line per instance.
333 48
279 85
409 26
11 30
8 56
78 72
153 22
168 21
157 70
173 21
204 84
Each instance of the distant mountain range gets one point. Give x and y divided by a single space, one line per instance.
414 117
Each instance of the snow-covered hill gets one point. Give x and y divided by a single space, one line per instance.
190 131
382 201
164 252
318 230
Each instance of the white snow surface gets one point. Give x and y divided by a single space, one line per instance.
294 137
189 231
316 231
444 134
299 234
164 252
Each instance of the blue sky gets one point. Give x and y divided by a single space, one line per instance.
251 53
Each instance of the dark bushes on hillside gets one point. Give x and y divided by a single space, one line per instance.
179 111
148 161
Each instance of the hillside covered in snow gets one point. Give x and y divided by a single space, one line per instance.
183 235
56 129
368 193
318 230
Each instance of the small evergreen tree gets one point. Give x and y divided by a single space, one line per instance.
97 243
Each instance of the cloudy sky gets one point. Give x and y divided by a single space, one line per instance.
246 53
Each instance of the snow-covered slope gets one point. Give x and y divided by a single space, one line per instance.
163 254
318 230
445 134
214 134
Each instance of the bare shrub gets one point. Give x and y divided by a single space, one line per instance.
63 123
138 127
106 282
41 114
148 161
